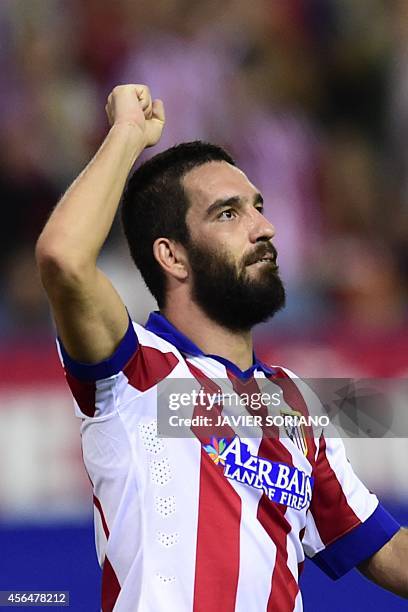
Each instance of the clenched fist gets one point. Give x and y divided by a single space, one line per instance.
132 104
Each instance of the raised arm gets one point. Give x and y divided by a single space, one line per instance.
90 316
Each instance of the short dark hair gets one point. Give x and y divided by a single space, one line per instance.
155 205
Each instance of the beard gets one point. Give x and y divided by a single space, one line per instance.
234 299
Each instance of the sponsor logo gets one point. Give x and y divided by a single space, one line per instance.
282 483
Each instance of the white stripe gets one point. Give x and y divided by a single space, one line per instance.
211 368
257 550
298 603
166 585
361 501
312 542
295 518
100 537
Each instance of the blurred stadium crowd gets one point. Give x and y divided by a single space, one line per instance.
311 98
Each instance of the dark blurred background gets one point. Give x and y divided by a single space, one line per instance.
311 98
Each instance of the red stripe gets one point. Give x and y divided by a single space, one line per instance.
219 520
205 433
84 393
98 505
110 587
148 367
330 509
110 582
284 587
218 542
295 400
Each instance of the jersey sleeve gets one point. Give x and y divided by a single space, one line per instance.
93 386
345 523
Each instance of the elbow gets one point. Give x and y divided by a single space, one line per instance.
49 258
58 267
44 255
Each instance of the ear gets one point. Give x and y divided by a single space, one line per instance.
172 257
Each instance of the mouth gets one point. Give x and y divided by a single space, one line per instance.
266 259
265 264
264 256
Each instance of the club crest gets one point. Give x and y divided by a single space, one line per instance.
295 431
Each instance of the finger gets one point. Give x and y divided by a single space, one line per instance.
148 111
158 110
144 97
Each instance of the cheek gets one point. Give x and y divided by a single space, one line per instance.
233 243
223 239
233 254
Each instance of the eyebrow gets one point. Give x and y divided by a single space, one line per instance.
232 201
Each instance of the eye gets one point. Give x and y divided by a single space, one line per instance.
260 208
227 214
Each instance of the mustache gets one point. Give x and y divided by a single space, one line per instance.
262 251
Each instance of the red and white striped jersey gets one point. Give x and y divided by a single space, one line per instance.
178 525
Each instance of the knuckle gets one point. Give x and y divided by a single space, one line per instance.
119 88
146 91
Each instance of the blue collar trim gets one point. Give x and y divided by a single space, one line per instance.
159 325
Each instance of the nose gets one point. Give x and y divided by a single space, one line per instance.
260 229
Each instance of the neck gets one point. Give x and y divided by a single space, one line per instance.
210 336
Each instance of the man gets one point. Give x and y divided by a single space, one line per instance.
173 530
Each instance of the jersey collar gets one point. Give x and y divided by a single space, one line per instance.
159 325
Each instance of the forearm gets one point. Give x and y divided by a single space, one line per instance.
79 225
90 315
389 566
